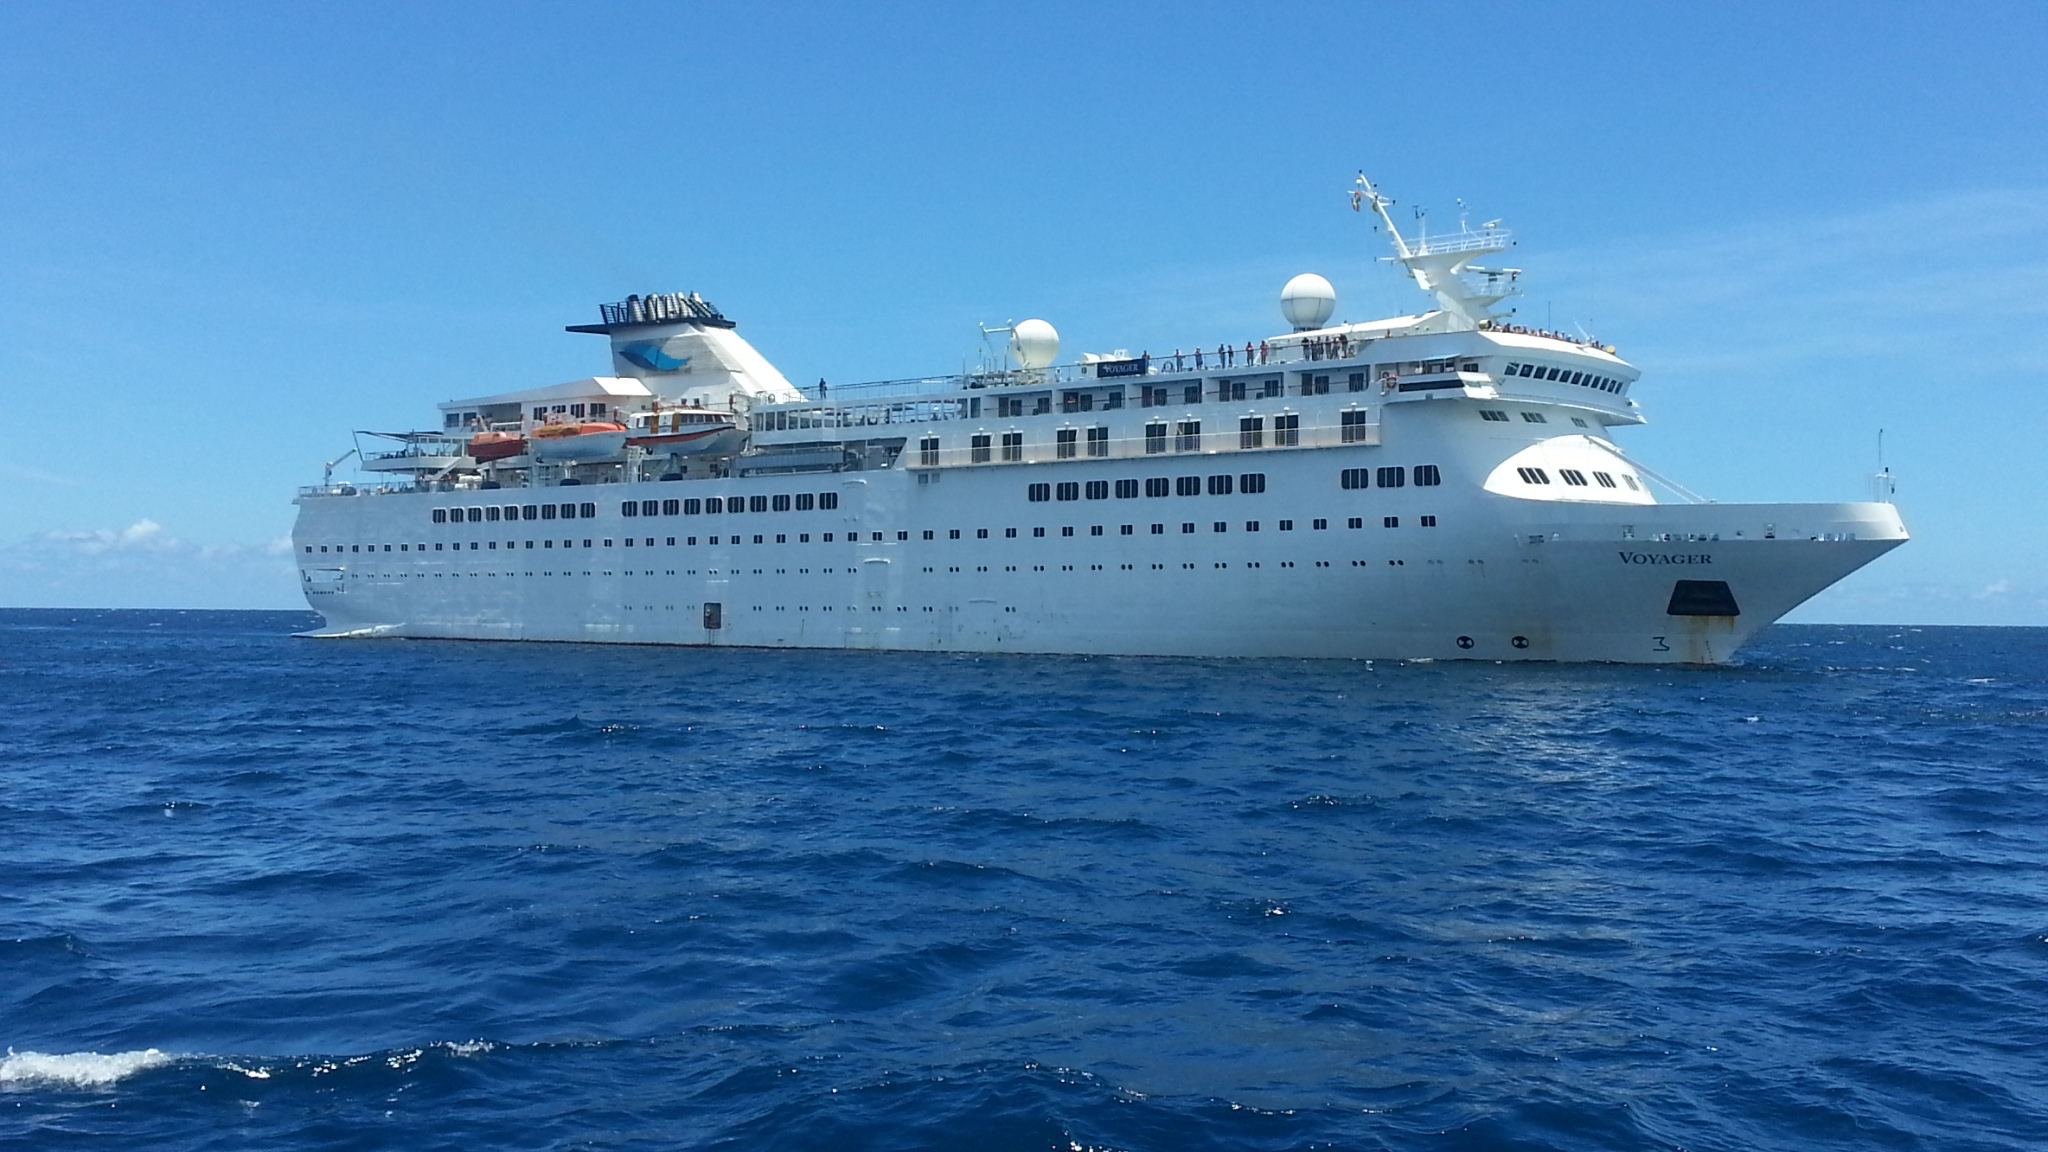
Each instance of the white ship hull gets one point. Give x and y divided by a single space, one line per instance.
1498 578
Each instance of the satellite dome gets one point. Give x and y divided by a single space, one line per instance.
1307 301
1035 344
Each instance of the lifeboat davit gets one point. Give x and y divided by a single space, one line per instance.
587 440
486 446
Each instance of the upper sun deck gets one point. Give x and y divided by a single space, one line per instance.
1365 361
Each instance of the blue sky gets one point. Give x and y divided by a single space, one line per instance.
231 233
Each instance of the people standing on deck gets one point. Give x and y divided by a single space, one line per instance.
1223 355
821 387
1248 361
1198 359
1262 351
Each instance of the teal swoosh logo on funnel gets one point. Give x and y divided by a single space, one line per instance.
648 355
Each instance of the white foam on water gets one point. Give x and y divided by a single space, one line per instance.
77 1069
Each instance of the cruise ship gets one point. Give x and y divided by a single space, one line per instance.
1444 485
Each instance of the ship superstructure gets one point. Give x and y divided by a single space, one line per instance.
1440 485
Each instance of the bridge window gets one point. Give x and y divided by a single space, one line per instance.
1493 414
1534 418
1533 475
1573 477
1603 479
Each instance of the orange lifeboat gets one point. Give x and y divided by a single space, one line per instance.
486 446
584 440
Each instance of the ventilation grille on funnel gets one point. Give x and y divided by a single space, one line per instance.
665 308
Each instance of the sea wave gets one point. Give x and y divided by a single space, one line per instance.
78 1069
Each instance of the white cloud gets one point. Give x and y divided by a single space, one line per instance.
144 566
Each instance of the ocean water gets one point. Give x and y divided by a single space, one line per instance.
265 892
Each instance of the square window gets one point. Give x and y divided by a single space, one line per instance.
1357 522
1319 525
1429 521
1390 522
1287 525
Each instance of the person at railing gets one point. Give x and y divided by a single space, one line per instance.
1147 358
1177 364
1226 355
822 387
1198 359
1262 351
1248 361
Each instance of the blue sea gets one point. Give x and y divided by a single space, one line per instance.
265 892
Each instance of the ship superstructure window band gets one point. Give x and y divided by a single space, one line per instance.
1424 476
1566 376
1250 483
798 502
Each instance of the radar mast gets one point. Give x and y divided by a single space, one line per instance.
1443 266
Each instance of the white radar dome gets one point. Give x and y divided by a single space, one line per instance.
1035 344
1307 301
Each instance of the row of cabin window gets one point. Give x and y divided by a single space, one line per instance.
1500 417
474 420
713 505
1575 478
1426 476
514 512
1312 384
1249 483
929 534
1566 376
1187 437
